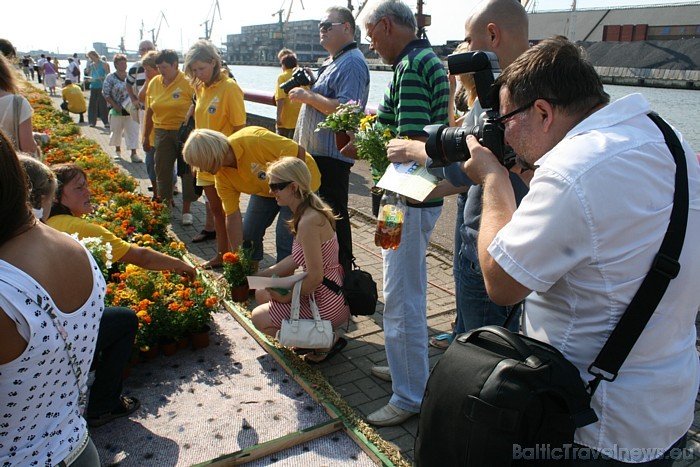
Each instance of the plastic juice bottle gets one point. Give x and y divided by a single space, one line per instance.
389 221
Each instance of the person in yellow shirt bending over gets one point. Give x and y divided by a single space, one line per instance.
73 201
219 106
73 100
239 163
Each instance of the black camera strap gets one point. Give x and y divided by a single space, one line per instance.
664 268
334 57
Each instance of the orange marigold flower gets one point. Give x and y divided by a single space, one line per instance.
210 302
230 257
200 290
173 306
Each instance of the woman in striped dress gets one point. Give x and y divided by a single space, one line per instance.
315 249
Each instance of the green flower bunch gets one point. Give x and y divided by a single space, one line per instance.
371 140
346 118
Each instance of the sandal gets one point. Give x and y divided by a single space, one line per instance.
324 355
128 406
204 235
441 341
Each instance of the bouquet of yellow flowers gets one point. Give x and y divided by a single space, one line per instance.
238 266
371 140
346 118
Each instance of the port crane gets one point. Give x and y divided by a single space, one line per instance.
155 32
209 23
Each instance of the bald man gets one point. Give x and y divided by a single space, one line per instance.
499 26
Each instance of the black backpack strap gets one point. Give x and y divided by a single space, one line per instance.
664 268
331 284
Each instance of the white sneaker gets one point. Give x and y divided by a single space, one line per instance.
135 159
381 372
389 415
187 219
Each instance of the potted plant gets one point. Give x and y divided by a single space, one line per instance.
237 267
346 118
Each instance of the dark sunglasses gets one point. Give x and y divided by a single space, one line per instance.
279 186
327 25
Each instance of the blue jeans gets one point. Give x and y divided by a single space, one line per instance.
474 307
405 320
258 217
151 165
115 340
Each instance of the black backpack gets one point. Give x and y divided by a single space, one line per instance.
359 290
494 396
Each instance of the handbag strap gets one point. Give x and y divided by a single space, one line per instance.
296 303
664 268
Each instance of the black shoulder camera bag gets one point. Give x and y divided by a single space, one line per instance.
494 392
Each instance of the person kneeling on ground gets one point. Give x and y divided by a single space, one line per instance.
315 249
73 100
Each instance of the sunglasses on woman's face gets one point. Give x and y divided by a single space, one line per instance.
275 187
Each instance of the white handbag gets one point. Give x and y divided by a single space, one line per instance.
314 333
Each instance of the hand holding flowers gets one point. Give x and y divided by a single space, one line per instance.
371 140
346 118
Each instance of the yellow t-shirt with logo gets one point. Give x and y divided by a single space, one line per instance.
169 103
84 228
219 107
290 111
73 95
254 147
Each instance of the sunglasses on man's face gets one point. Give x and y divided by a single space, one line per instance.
279 186
327 25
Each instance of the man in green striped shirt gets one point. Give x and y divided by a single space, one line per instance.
417 95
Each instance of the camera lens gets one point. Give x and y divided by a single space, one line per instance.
448 144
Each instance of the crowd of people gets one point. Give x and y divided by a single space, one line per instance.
543 248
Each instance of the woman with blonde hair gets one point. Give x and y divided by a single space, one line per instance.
18 128
239 164
315 249
219 106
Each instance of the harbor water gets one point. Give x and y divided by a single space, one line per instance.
680 107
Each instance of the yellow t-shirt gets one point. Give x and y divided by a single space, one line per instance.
169 103
84 228
73 95
254 148
219 107
290 111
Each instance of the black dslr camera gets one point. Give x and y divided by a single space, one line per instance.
299 78
449 144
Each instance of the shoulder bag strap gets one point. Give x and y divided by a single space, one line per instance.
664 268
77 372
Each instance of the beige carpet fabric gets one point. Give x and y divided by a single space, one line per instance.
201 404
